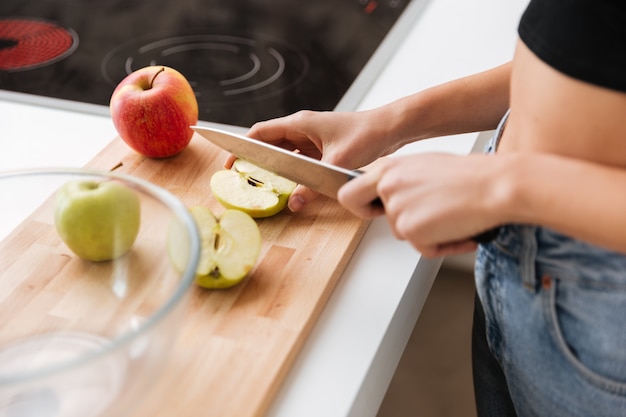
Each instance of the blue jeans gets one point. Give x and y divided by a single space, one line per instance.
550 326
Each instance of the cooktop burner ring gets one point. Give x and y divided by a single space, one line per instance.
28 43
222 68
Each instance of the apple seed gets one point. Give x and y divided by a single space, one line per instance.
254 182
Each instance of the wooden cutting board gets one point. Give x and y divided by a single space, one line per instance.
237 345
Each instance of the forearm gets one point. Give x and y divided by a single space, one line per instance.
578 198
470 104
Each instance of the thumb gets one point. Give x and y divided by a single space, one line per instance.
301 197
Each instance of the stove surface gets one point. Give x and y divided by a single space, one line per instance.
246 60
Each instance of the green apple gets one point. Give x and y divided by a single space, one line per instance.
97 220
251 189
230 246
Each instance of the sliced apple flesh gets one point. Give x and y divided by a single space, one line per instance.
230 247
251 189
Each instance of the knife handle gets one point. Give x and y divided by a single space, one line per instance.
378 203
486 236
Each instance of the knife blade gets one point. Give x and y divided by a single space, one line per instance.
317 175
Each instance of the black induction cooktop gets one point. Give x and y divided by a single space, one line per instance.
247 60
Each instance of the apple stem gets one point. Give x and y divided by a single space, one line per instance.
155 75
119 165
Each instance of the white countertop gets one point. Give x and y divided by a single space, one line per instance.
348 361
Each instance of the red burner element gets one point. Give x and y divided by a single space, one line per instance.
31 43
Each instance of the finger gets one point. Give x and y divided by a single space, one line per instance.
300 198
269 131
229 161
449 249
359 194
288 132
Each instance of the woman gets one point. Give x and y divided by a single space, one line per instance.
550 322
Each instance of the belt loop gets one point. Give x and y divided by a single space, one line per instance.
528 256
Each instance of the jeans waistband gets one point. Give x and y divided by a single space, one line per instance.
540 251
495 139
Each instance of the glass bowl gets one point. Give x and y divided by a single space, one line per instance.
85 337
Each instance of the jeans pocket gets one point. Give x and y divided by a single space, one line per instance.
589 328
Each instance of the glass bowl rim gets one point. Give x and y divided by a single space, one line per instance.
187 276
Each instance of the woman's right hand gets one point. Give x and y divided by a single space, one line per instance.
347 139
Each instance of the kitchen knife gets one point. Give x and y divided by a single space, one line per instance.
319 176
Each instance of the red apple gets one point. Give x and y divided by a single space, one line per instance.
152 109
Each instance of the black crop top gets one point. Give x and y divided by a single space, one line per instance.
585 39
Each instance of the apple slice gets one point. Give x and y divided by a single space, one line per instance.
251 189
230 247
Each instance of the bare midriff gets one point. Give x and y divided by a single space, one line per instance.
554 113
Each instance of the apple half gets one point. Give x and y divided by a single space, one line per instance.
230 247
251 189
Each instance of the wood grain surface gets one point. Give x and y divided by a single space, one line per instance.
237 345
